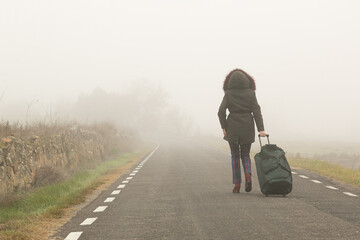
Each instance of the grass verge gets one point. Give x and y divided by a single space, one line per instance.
17 219
330 170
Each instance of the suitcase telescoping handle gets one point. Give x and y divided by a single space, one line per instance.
267 135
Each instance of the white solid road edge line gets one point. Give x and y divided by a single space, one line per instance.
350 194
331 187
149 156
73 236
88 221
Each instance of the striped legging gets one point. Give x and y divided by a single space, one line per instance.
235 160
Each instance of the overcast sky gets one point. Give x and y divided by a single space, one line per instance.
304 56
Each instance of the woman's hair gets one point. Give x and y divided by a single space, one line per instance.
252 81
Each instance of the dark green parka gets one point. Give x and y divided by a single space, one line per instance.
240 100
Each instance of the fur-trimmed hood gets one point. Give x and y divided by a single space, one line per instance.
239 79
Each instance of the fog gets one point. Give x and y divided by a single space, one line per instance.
304 56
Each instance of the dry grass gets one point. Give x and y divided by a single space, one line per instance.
48 175
44 130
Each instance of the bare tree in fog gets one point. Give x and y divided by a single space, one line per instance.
2 94
143 106
28 109
150 102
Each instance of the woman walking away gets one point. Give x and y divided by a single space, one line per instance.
238 127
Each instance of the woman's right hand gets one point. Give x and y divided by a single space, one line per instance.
224 131
262 134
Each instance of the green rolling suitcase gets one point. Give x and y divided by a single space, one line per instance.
273 170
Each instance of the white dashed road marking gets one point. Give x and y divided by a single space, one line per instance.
73 236
115 192
100 209
330 187
109 199
315 181
88 221
350 194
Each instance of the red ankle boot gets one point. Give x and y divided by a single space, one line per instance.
248 186
236 188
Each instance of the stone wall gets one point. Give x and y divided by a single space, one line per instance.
21 158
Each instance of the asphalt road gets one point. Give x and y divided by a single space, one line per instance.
184 191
